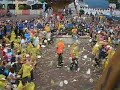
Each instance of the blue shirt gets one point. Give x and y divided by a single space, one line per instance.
8 28
31 26
20 26
27 36
39 26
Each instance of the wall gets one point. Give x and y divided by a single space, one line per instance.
104 11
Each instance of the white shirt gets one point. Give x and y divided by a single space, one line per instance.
13 75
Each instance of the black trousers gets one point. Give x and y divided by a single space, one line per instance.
60 59
74 63
20 32
97 62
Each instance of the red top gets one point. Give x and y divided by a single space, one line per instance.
3 53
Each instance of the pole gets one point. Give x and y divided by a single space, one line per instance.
76 10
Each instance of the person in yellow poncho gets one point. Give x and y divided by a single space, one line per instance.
17 40
12 36
30 86
95 50
109 41
74 34
59 26
29 48
110 53
35 51
47 28
74 56
2 82
17 47
26 72
20 86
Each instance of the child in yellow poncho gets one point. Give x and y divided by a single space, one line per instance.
95 50
75 56
26 70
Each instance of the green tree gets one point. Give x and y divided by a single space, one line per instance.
81 12
21 7
113 1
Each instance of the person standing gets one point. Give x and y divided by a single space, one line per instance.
8 30
59 50
16 30
74 34
21 27
1 34
74 55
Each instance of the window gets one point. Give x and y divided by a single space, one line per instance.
11 6
36 6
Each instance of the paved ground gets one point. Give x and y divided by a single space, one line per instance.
49 77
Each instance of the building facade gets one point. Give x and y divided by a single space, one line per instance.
14 4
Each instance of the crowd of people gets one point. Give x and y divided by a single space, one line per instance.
21 44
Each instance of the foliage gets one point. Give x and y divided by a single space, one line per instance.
113 1
81 12
24 7
21 7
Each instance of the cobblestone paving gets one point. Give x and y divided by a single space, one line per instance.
49 77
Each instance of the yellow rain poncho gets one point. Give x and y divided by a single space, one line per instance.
12 36
95 50
29 48
17 47
30 86
25 70
2 82
110 52
97 38
35 51
75 52
23 56
7 40
17 40
109 40
20 86
60 26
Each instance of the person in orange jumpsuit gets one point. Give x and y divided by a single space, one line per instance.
59 50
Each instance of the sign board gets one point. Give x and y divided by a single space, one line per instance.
31 2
